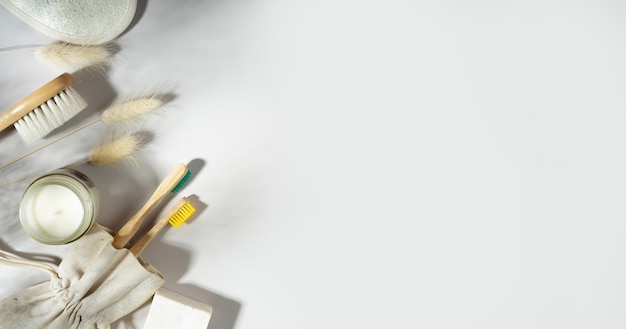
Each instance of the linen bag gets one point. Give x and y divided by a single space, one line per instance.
95 285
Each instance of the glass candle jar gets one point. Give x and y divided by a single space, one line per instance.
59 207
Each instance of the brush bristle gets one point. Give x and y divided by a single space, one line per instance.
182 182
131 109
50 115
73 57
182 215
120 148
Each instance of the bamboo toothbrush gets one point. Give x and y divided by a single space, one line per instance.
44 109
176 216
176 179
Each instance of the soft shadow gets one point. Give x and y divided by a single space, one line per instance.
139 12
198 205
225 309
195 166
5 133
122 191
39 257
96 89
173 262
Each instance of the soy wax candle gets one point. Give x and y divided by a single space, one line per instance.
59 207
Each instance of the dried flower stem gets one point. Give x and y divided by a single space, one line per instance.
119 112
121 148
65 55
19 49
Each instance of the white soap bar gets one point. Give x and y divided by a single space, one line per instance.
171 310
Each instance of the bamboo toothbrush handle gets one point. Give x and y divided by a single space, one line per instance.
35 99
138 247
130 228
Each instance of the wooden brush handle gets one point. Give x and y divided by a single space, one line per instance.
35 99
138 247
130 228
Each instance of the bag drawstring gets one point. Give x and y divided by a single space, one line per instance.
23 262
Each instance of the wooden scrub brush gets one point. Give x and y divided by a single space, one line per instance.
44 110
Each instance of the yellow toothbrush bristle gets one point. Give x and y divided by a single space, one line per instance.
182 215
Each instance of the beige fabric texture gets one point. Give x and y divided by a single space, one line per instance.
94 286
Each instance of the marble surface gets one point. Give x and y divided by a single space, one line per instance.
365 164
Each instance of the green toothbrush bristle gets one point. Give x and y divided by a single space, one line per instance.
182 182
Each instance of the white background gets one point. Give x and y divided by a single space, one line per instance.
370 164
